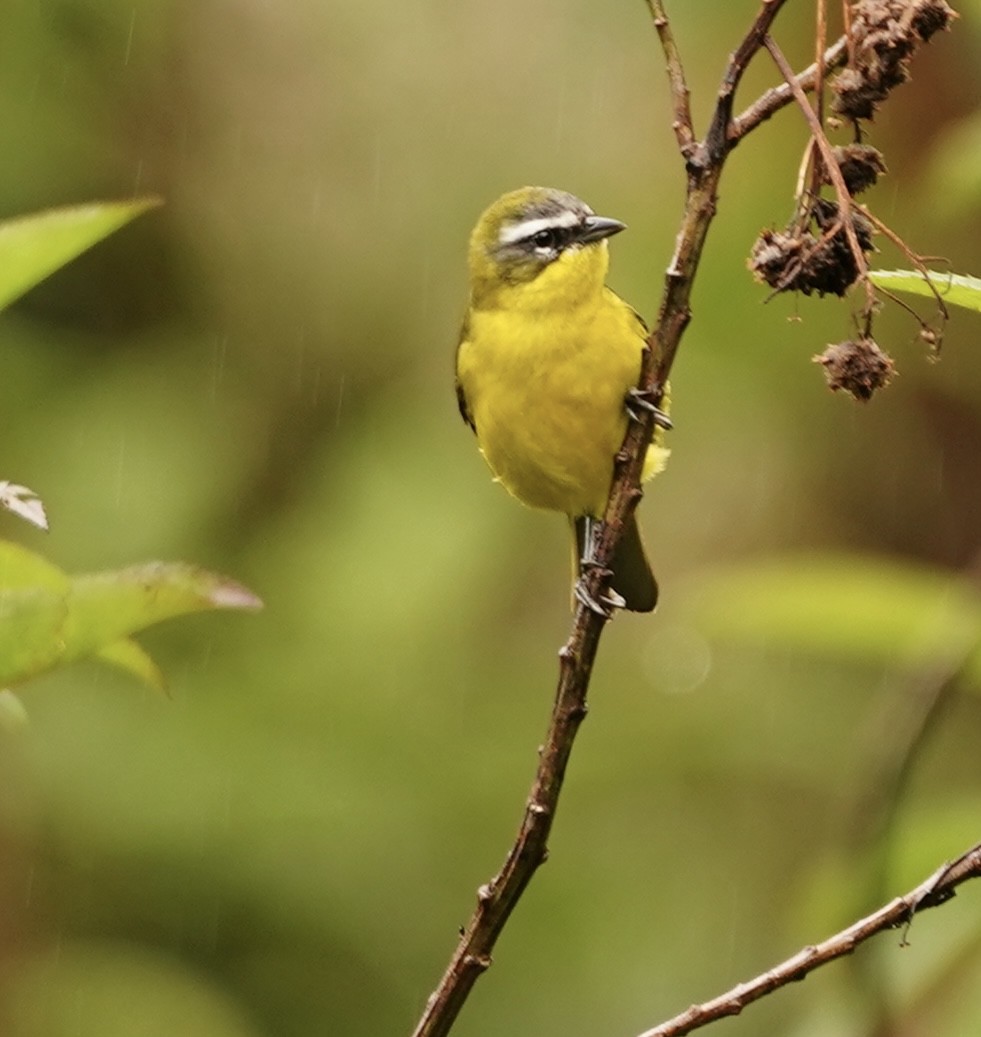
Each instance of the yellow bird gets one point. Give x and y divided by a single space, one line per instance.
547 365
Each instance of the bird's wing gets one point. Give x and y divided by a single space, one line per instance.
461 397
461 402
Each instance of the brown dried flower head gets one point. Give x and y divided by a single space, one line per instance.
885 34
809 261
858 367
861 166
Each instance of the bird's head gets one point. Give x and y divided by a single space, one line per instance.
539 247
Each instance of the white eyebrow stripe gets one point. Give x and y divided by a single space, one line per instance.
518 231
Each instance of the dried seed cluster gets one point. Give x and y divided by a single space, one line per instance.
858 367
861 166
823 248
814 258
885 34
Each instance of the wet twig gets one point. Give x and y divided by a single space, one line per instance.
898 913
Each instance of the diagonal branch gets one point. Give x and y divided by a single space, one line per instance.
498 898
935 890
717 139
704 163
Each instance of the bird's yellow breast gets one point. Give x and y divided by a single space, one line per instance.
545 382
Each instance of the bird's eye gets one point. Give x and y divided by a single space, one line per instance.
548 238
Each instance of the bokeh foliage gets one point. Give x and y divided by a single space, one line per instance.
256 378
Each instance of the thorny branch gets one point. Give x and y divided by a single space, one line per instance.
704 162
898 913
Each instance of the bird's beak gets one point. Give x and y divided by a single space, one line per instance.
596 228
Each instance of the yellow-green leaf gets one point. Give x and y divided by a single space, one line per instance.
110 605
128 655
48 619
33 247
33 605
955 289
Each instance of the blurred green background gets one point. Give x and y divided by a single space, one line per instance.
257 378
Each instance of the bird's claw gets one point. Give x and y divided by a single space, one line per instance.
642 399
605 606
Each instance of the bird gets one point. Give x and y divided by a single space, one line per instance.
547 367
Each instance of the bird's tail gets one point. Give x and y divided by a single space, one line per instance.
632 578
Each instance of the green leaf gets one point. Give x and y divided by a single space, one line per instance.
32 247
856 608
33 606
955 289
111 605
48 619
128 655
21 569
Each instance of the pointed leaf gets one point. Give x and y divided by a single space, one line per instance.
129 656
107 606
32 247
955 289
48 619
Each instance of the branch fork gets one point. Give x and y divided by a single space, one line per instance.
704 161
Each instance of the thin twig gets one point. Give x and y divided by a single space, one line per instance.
778 97
680 94
842 194
846 14
893 746
717 139
821 41
497 899
917 261
935 890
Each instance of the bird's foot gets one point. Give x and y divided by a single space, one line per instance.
643 400
603 606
